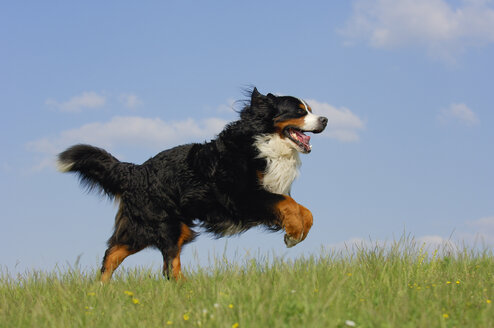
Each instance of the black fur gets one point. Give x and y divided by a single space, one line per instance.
214 184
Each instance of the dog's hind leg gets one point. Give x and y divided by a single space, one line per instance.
114 256
166 263
171 256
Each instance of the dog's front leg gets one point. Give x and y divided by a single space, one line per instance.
295 219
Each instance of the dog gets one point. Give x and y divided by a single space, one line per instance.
239 180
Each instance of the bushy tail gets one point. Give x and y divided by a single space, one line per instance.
97 169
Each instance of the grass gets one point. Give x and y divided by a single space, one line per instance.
400 285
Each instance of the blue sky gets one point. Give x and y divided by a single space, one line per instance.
407 87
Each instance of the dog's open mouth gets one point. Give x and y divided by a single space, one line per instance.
299 138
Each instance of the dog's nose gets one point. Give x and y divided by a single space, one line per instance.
323 120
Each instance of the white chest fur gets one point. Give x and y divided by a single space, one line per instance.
282 163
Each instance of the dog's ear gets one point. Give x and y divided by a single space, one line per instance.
256 98
260 106
255 93
271 97
260 101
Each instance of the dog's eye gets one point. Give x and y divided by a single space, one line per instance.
301 111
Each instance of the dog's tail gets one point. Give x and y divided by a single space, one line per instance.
97 169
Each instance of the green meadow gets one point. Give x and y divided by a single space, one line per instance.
399 285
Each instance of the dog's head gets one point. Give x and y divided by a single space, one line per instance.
287 116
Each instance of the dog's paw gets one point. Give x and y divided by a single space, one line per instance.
291 241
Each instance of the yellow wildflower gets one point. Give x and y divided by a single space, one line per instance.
230 306
135 300
488 301
91 294
445 316
129 293
169 322
349 274
235 325
448 282
186 316
457 282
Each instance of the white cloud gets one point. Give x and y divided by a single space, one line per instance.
433 242
343 125
444 30
472 235
459 112
130 100
427 243
142 132
486 223
480 231
88 99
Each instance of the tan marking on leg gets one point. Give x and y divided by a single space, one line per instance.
295 219
307 219
185 236
176 268
289 214
114 258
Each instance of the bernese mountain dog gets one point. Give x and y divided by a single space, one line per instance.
228 185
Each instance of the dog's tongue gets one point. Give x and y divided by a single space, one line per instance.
304 139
